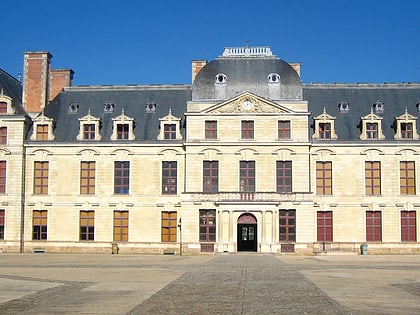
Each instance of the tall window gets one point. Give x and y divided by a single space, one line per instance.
408 226
41 170
373 178
324 226
207 225
169 226
3 177
406 130
169 132
287 225
121 177
247 129
123 131
87 178
87 225
325 130
407 178
120 226
373 226
39 225
283 129
89 131
324 178
372 130
211 176
247 176
211 129
169 178
41 132
284 176
2 216
3 135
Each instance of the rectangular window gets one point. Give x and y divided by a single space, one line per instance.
407 130
3 135
408 226
2 219
169 178
121 177
284 176
247 176
324 226
283 129
207 225
372 130
324 178
3 166
87 225
407 178
39 225
3 108
247 129
120 226
211 129
325 130
373 226
373 178
287 225
210 176
42 132
87 178
122 131
41 170
89 131
169 132
169 226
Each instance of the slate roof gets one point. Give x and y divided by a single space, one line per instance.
12 88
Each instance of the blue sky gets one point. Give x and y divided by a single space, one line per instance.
148 42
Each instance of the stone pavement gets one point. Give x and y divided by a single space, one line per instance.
248 283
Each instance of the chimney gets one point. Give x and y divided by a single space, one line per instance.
36 69
197 65
59 78
296 66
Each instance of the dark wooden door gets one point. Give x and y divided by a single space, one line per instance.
247 237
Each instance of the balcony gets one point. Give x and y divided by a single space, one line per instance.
247 197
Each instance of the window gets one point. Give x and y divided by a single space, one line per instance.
371 127
169 226
344 107
406 127
372 130
3 166
121 177
247 128
207 225
324 178
408 226
211 129
406 130
87 178
2 217
169 178
39 225
170 132
324 226
247 176
324 130
122 127
89 131
41 170
287 225
407 178
3 107
283 127
120 226
373 178
284 176
373 226
210 176
3 135
87 225
42 132
324 127
123 131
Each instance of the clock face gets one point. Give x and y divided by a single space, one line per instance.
247 104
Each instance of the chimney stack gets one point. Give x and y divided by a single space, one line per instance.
197 65
59 78
296 66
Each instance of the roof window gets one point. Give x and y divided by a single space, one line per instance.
378 107
109 107
73 108
344 107
221 78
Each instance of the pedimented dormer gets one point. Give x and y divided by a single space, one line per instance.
89 128
170 127
406 127
42 128
123 127
324 127
6 104
372 127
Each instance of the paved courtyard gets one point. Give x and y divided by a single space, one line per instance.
222 284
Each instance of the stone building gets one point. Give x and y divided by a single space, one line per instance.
246 158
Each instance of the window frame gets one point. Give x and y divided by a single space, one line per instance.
247 176
407 178
373 178
169 177
87 225
207 225
324 180
324 130
169 226
41 177
247 129
210 176
283 130
121 177
42 132
3 176
408 219
373 226
121 226
3 135
407 133
325 226
372 130
288 225
210 129
89 131
169 131
87 177
123 131
39 225
2 223
284 180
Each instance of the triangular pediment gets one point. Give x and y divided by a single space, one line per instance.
247 103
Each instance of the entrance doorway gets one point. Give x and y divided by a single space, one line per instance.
247 233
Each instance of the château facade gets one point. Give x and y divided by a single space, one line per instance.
246 158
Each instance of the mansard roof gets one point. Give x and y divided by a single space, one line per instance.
11 87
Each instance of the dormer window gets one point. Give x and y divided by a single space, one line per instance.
344 107
73 108
372 127
273 78
406 127
123 128
221 78
89 128
109 107
150 107
170 127
42 128
3 108
6 107
169 132
324 127
123 131
378 107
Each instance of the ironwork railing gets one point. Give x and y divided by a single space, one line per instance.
247 51
247 196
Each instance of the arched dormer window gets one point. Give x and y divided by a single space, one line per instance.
123 127
220 79
170 127
343 107
89 128
372 127
6 107
324 127
406 127
378 107
274 78
42 128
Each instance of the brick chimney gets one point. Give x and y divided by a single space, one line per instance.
36 70
296 66
59 78
197 65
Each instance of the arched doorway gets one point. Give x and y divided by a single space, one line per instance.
247 233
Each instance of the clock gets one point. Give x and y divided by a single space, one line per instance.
247 104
